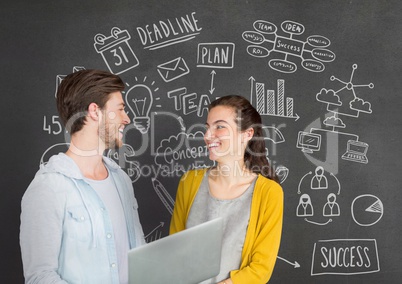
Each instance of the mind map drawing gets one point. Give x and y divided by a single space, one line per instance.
289 47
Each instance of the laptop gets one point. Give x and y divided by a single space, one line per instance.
356 152
189 256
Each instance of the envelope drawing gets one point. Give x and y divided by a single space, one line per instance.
173 69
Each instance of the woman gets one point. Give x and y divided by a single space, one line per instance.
241 188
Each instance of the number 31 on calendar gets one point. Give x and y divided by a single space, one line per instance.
115 50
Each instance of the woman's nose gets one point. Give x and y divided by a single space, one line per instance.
208 134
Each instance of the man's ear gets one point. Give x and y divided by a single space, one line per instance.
93 111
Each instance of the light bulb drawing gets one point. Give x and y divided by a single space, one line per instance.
139 100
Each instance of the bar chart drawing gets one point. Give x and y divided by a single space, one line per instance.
274 104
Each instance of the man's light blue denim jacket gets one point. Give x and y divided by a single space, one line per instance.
66 234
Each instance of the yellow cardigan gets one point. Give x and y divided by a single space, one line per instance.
264 229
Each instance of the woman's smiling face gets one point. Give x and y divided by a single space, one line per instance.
223 138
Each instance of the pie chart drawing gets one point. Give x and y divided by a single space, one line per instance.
367 210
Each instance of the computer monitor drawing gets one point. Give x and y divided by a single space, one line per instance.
308 142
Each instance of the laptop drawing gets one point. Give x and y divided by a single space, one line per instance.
189 256
356 152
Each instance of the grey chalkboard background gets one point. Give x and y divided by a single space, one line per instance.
336 65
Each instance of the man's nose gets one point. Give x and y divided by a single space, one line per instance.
126 119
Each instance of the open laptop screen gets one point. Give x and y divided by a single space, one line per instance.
189 256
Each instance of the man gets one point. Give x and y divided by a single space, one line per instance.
79 215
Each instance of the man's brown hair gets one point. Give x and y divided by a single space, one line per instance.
78 90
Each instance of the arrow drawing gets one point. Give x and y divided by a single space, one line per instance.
298 188
294 264
157 235
212 89
339 185
320 224
252 80
161 224
274 134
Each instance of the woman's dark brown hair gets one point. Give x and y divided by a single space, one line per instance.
78 90
247 117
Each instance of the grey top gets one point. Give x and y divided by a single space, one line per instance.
107 191
236 215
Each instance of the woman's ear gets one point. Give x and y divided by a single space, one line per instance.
248 134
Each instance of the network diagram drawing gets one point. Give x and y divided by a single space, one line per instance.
343 102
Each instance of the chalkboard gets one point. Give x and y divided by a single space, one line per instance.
324 75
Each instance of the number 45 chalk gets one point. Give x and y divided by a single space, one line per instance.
115 50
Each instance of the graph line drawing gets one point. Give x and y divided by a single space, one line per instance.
155 234
269 103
